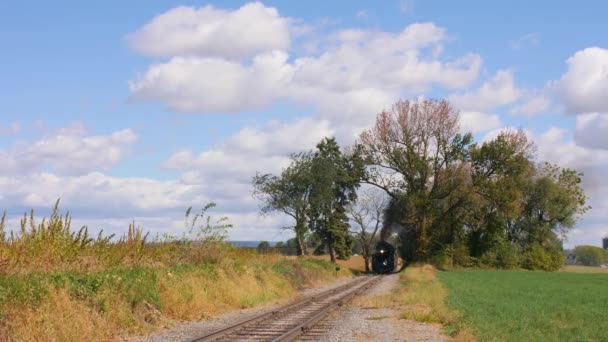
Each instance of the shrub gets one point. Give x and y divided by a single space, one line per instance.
538 258
505 256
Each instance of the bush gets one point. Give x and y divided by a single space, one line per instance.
539 258
505 256
457 255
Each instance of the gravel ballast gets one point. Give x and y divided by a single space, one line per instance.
363 324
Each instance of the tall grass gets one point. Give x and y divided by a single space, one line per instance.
52 245
59 284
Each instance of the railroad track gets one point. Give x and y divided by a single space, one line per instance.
295 320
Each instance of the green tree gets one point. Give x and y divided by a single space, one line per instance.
336 178
590 255
501 172
460 202
554 202
289 194
415 154
264 247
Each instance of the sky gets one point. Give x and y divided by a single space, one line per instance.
134 111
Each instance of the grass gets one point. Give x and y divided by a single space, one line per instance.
530 306
57 284
131 301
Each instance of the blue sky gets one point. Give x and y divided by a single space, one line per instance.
141 115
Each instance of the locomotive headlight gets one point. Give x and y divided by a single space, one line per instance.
382 251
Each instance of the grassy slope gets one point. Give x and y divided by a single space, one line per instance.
79 306
531 306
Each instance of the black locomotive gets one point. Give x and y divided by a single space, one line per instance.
384 259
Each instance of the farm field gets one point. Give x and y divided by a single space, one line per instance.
530 306
583 269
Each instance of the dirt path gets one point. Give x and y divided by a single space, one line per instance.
366 324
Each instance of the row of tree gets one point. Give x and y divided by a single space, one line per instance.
448 198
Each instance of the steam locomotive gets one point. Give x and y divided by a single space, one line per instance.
384 259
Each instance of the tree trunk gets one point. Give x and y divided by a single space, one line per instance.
332 252
366 255
300 229
301 244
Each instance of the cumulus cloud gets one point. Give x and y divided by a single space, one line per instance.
497 91
355 68
555 146
534 105
476 122
68 151
584 87
189 84
592 131
252 149
212 32
96 191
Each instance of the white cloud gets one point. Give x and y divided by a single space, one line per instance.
476 122
252 149
68 151
584 87
592 131
499 90
98 192
534 105
214 85
555 147
212 32
357 67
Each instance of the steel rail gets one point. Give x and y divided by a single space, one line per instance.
302 328
274 315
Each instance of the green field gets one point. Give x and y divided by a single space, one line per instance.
531 306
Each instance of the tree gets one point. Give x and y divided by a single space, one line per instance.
458 202
554 202
368 216
336 178
288 193
501 171
590 255
264 247
413 151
